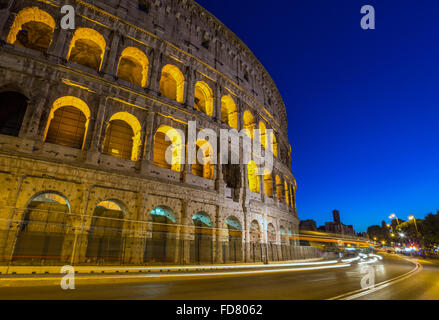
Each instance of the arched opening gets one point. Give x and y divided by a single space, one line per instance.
253 177
287 193
12 111
105 237
87 48
255 242
249 124
268 183
273 144
40 236
232 251
279 188
122 137
68 122
133 67
203 98
205 168
168 148
262 132
271 237
229 112
161 245
202 246
172 83
32 28
286 254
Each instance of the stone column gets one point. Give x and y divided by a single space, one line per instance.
190 88
4 18
156 65
95 136
111 60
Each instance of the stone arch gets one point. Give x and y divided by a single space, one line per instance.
253 178
271 233
255 231
68 122
165 137
268 183
249 124
287 193
262 134
42 230
87 48
229 112
172 83
133 66
204 169
123 136
32 28
202 246
203 98
233 246
255 242
105 236
161 245
12 111
274 144
279 187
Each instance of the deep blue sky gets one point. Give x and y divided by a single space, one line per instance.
363 106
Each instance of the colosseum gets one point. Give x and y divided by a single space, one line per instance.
84 128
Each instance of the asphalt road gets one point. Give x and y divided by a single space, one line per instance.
298 285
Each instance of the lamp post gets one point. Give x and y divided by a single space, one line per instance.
416 226
394 216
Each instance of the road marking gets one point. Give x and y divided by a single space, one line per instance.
363 292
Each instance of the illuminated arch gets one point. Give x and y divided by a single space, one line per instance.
203 98
287 193
106 228
279 188
283 235
38 26
66 122
271 233
160 246
249 124
263 132
87 48
255 231
205 169
268 183
161 145
172 83
291 196
273 144
229 112
42 230
202 219
133 66
113 142
253 178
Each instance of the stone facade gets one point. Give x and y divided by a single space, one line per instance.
177 33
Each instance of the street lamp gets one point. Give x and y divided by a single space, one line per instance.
392 216
412 217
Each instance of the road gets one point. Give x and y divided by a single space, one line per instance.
342 283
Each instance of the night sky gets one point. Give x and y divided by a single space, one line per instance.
363 106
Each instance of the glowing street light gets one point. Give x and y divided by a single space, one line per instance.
393 216
412 217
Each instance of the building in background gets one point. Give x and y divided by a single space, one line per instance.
88 114
336 226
